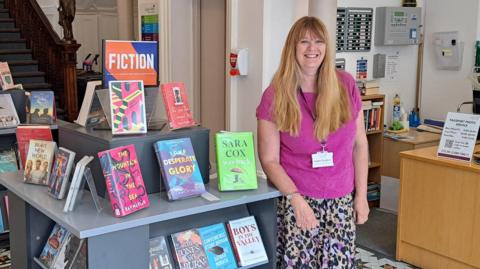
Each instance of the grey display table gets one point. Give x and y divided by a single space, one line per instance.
123 242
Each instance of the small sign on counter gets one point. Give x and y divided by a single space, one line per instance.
459 136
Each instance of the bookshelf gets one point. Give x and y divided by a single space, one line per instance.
374 111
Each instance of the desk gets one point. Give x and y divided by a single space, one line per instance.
439 211
392 148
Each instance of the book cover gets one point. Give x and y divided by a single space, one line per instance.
159 254
236 167
6 79
179 168
217 247
53 245
176 105
81 257
2 221
123 179
188 249
247 242
8 161
41 107
91 112
127 107
5 258
58 180
26 132
8 113
39 161
68 253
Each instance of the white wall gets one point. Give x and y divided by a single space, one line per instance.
443 90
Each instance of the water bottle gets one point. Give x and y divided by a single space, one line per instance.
397 114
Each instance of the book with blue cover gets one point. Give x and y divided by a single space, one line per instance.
179 167
53 245
217 247
8 161
42 106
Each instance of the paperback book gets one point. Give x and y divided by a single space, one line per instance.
179 168
188 249
58 180
217 247
53 245
127 104
5 258
235 161
69 253
42 106
159 254
247 242
39 161
6 79
8 113
176 105
25 133
91 112
8 161
123 179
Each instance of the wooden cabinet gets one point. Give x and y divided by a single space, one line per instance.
374 111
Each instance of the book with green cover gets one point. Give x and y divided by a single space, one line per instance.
236 168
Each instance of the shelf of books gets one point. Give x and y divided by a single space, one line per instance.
373 106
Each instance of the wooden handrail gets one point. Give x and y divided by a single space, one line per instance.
56 57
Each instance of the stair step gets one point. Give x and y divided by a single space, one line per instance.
4 13
13 43
7 23
15 54
6 19
23 65
9 32
28 77
37 86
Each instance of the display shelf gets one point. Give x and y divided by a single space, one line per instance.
34 212
9 131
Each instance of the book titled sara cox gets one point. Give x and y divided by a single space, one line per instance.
124 180
179 167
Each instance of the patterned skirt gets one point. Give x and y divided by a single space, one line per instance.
330 246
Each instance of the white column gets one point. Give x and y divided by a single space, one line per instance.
326 11
125 19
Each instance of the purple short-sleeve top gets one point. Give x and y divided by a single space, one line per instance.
296 151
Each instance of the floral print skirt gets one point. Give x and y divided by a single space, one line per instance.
332 245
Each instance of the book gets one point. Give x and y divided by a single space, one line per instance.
235 161
159 254
76 183
90 113
176 105
179 168
26 132
58 180
127 107
5 258
8 161
8 113
123 179
217 246
53 245
42 105
6 79
68 253
39 161
80 258
188 249
247 242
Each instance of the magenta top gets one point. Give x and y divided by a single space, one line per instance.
296 151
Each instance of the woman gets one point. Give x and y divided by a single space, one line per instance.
313 148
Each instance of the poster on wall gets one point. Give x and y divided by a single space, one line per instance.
392 67
130 60
149 21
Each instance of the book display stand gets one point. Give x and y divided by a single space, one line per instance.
124 242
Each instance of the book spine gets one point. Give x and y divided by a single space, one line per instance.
234 244
218 139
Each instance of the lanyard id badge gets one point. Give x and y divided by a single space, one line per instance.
322 158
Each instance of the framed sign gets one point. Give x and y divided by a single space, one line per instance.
130 60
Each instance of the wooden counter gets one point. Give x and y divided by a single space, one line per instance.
439 211
392 147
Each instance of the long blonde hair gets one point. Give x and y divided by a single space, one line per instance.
332 106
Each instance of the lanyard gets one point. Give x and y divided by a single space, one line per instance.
307 106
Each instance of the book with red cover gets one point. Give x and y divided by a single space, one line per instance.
123 179
188 250
26 132
176 105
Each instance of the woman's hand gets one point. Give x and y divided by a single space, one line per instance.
361 209
304 215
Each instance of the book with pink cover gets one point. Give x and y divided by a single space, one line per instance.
123 179
6 80
176 105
